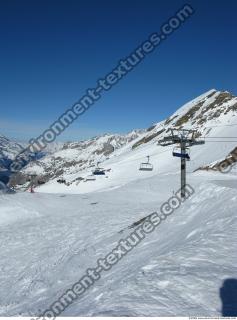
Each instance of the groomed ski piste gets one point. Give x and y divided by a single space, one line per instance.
51 237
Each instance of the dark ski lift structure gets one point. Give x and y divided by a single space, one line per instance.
98 171
177 153
146 166
32 182
184 138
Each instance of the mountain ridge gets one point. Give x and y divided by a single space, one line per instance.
211 109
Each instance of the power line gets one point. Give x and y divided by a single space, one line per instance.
223 125
207 137
221 141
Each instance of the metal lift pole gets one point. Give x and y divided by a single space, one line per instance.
183 169
31 186
185 138
32 182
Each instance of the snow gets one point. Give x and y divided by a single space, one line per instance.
75 156
125 162
34 170
181 111
8 148
77 160
49 240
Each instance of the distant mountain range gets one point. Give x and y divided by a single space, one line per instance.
213 115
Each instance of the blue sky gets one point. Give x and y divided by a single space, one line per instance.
52 51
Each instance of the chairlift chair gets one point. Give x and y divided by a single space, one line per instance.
146 166
90 178
177 153
98 171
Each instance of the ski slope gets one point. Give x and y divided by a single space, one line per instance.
213 114
49 240
125 162
51 237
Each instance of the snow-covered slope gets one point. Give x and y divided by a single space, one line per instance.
48 241
74 157
213 115
51 237
8 150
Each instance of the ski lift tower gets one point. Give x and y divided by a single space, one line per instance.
32 180
184 138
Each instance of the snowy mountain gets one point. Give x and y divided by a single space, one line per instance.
213 115
74 157
185 267
53 147
8 150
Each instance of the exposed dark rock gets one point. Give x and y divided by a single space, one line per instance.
223 164
189 115
106 150
147 139
170 119
151 128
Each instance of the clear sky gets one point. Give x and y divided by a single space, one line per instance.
52 51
